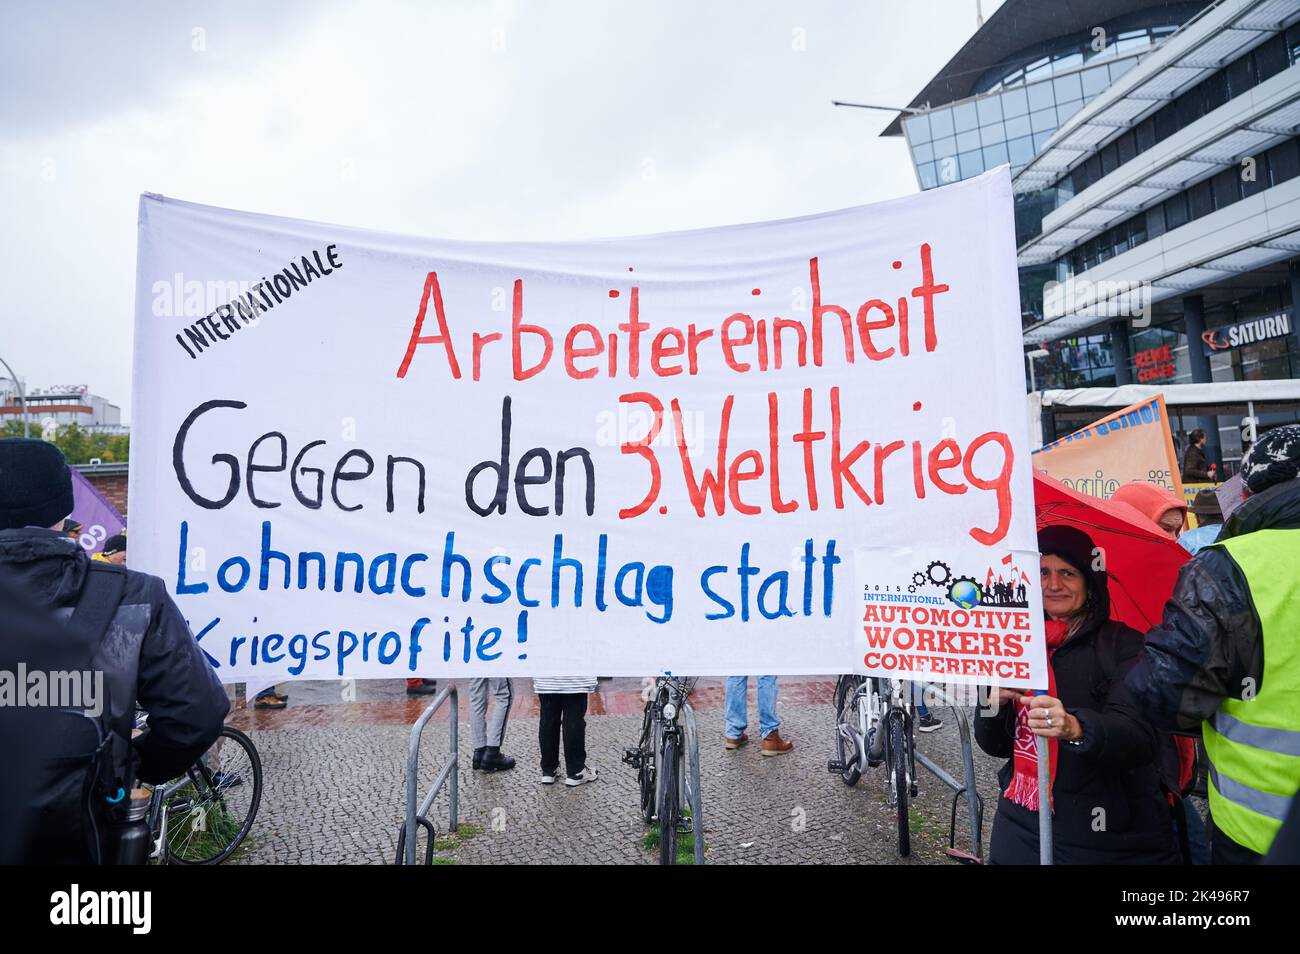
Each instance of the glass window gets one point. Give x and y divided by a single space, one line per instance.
1166 122
995 156
941 123
1127 144
925 172
946 146
1015 102
1040 140
1094 81
1066 110
1241 76
1146 134
964 116
1067 61
1176 211
989 109
1017 126
1135 40
1283 163
1020 150
923 152
917 128
1119 69
1040 96
1227 187
970 164
968 140
1109 159
995 133
1067 88
1038 69
1044 120
1215 91
947 170
1271 57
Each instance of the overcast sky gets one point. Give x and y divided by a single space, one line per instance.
486 120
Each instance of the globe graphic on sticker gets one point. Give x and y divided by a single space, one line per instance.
965 594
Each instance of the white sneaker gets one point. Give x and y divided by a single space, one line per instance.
588 774
548 778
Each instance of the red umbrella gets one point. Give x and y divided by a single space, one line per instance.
1141 560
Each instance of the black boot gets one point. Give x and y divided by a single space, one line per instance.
494 761
478 757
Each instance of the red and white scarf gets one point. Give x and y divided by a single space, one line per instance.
1023 789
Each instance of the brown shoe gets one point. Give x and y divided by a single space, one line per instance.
736 743
775 745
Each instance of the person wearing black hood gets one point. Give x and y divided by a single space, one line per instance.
1106 800
1226 658
145 648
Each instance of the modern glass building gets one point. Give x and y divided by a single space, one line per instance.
1156 167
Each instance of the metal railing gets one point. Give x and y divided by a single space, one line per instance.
417 817
974 804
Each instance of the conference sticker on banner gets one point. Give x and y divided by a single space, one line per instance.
1134 443
725 451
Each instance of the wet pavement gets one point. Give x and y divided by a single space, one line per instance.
334 764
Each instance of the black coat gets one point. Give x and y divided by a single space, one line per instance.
1210 646
1195 467
1108 804
148 638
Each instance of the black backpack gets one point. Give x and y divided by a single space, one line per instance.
83 767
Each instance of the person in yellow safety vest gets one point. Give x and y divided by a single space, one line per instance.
1226 657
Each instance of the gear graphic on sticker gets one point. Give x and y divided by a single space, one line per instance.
918 579
941 580
911 588
965 592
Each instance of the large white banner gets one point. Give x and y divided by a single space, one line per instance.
784 447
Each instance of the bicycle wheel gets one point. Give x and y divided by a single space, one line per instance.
669 797
898 780
210 816
846 713
646 773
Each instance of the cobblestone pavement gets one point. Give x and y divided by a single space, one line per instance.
335 775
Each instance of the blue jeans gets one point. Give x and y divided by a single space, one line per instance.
737 687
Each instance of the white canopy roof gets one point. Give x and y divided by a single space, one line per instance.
1220 392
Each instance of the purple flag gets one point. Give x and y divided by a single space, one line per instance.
99 519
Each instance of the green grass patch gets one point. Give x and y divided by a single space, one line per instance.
685 844
454 839
199 835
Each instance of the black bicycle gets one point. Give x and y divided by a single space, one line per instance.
667 761
201 817
873 726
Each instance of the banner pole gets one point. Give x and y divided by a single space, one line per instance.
1044 751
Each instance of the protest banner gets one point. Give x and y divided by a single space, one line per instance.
359 454
99 519
1134 443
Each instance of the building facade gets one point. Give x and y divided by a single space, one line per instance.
1155 159
60 405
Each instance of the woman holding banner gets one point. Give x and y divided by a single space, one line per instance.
1106 800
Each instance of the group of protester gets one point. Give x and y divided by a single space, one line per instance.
1224 665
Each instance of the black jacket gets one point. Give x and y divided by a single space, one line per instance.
1113 769
1209 645
148 649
